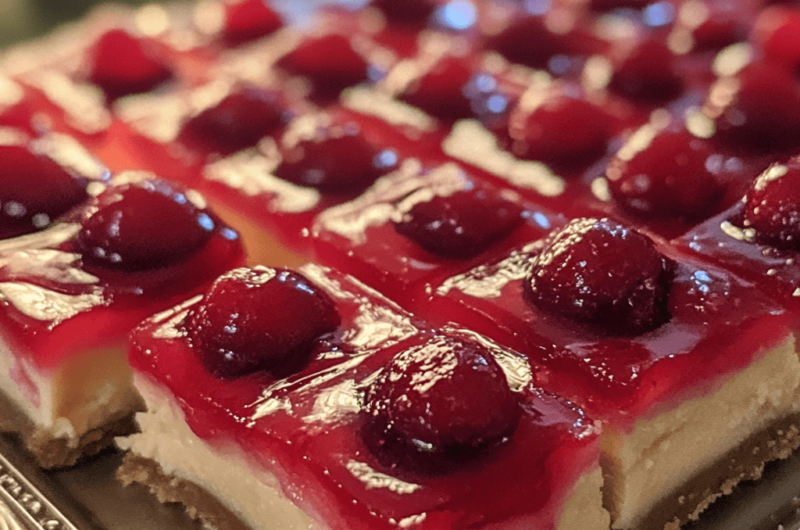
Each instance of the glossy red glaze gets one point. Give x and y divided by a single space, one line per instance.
330 463
361 236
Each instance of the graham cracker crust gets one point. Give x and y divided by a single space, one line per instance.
746 462
52 452
199 504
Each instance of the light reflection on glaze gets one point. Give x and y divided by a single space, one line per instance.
488 281
71 155
335 403
51 237
82 103
375 480
374 103
49 264
390 197
470 142
10 92
251 173
46 305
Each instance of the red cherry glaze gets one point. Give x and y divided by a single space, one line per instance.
34 190
563 129
461 225
528 41
238 121
142 226
764 115
441 91
338 162
248 20
667 178
442 401
330 62
259 319
772 206
648 74
602 273
124 65
406 12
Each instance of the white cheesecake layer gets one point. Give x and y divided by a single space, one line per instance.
84 393
662 454
248 492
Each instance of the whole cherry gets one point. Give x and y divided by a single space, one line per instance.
438 403
259 319
123 65
34 190
604 274
772 206
248 20
667 177
240 120
142 225
460 225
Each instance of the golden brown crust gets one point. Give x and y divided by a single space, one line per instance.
52 451
198 502
746 462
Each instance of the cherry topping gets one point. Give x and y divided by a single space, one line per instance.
339 161
441 91
123 65
330 62
780 35
249 20
238 121
259 319
648 74
563 128
603 274
765 112
437 403
528 41
142 226
407 11
715 34
34 190
461 225
772 206
667 178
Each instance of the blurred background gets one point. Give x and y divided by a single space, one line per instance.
25 19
